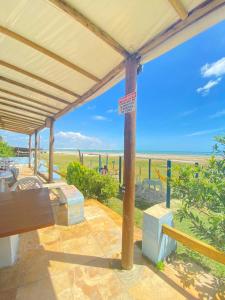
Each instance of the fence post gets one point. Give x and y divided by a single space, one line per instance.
168 191
149 168
120 170
99 162
82 158
107 161
196 166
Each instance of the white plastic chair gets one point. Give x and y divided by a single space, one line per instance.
27 183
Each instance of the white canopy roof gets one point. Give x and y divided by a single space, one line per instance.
56 55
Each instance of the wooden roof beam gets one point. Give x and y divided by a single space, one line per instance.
26 87
25 109
179 8
26 98
18 123
19 114
17 130
15 120
31 75
13 117
19 126
197 13
47 52
25 104
114 72
88 24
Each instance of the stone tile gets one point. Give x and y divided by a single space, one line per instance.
8 294
28 241
33 266
97 283
49 235
84 246
74 231
10 277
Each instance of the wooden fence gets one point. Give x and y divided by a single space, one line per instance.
194 244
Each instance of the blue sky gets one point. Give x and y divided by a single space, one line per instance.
181 104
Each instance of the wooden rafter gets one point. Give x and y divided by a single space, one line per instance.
47 52
15 127
25 109
15 122
31 106
22 71
93 90
19 114
79 17
179 8
13 117
17 131
26 87
26 98
197 13
19 126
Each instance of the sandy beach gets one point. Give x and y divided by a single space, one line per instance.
174 157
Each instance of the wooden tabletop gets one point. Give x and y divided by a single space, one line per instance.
25 211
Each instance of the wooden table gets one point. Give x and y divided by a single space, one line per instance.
20 212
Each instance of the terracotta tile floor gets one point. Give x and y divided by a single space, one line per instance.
83 262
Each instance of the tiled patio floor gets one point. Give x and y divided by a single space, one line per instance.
83 262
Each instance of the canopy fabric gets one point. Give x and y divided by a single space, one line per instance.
56 55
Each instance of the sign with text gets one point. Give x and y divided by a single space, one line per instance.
127 103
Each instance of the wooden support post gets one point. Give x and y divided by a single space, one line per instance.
196 168
107 161
168 191
35 152
51 151
120 169
129 170
30 136
99 163
149 168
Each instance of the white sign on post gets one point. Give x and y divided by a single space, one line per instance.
127 103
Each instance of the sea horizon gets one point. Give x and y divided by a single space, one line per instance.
142 152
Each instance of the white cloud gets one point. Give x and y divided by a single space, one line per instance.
205 132
188 112
112 110
90 107
14 139
215 69
210 84
218 114
99 118
72 139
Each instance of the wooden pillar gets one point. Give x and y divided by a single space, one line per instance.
129 170
51 150
35 152
168 189
149 168
30 136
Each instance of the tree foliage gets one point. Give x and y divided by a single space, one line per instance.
5 150
203 196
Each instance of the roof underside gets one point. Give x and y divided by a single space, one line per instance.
56 55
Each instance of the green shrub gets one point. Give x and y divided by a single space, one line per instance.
91 183
6 150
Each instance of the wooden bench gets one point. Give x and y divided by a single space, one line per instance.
72 198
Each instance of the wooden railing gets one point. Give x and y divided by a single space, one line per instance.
194 244
54 171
